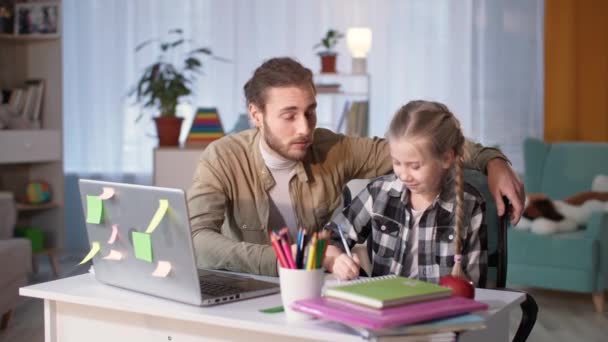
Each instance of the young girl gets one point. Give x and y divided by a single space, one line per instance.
425 221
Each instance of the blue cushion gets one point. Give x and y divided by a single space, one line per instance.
560 170
562 250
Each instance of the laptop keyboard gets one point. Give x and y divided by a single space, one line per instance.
215 289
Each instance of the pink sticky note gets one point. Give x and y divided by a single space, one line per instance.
114 255
163 269
114 234
107 193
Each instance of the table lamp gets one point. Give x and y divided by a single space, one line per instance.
359 41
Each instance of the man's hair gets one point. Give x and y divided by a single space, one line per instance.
276 72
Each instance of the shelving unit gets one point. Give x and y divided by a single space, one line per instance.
331 104
22 37
165 172
27 155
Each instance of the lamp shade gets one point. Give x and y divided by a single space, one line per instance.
359 41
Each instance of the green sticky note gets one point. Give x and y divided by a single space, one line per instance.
142 245
94 209
276 309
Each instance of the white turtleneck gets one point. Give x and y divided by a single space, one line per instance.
281 212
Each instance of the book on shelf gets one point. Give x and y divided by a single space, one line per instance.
345 110
25 106
16 100
356 121
331 309
35 107
327 87
392 290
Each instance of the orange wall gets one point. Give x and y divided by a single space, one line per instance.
576 70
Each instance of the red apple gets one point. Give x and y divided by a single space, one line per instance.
460 286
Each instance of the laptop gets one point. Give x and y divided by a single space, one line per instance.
142 266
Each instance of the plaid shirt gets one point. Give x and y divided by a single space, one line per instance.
382 210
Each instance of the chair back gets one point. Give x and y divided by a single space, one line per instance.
496 228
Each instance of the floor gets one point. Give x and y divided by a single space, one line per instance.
562 317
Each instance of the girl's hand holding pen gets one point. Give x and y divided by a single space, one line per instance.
340 264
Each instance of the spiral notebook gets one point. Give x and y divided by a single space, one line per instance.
387 291
357 315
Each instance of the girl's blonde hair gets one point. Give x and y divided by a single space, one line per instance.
439 130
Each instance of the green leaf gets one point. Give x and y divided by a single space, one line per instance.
192 62
177 43
143 44
221 59
204 50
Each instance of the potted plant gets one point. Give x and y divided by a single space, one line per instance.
328 54
165 81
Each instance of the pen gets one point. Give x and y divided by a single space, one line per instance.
350 255
344 241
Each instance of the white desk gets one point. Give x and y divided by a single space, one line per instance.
81 309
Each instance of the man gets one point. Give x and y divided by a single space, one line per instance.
287 173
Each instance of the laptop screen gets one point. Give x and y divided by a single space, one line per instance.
140 239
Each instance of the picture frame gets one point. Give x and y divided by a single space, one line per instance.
42 19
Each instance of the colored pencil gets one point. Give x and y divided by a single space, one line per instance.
287 249
278 251
310 264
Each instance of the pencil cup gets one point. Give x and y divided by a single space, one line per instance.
299 284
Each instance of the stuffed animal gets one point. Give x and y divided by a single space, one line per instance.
543 215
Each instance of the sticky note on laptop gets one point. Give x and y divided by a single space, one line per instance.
142 244
94 209
163 205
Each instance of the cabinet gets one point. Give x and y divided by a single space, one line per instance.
336 94
27 155
174 166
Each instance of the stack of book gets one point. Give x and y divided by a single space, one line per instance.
354 119
25 105
396 306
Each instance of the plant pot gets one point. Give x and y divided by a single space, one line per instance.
328 64
168 128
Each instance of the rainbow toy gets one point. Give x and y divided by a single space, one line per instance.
206 127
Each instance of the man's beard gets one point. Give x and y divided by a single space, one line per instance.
282 150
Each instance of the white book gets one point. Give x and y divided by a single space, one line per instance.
37 102
29 102
15 101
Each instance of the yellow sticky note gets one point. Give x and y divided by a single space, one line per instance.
94 250
162 270
94 209
142 244
163 205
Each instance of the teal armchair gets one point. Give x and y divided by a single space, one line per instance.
575 261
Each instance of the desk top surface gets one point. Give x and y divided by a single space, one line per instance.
86 290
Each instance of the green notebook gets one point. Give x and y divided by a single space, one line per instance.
382 292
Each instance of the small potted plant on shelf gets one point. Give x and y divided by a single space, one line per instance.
328 54
165 81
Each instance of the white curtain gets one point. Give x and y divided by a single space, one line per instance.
481 58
